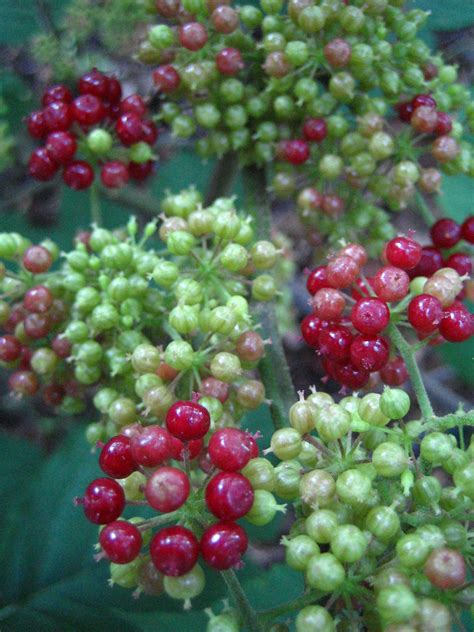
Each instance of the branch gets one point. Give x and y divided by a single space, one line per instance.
424 209
249 616
222 179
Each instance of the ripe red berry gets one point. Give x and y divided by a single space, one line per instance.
444 124
332 205
114 90
41 166
317 279
167 489
337 53
425 313
53 395
225 19
431 260
58 116
37 325
311 327
61 146
129 128
391 283
295 151
445 568
37 259
424 119
467 229
151 446
356 251
229 495
223 544
369 353
121 541
78 175
457 324
88 109
114 174
460 262
61 347
174 551
230 449
149 132
403 252
57 92
166 78
328 303
10 348
140 172
335 343
133 103
36 124
370 315
229 61
23 383
104 501
94 83
350 376
394 373
192 35
315 129
189 449
405 110
445 233
342 271
423 100
116 458
188 420
38 299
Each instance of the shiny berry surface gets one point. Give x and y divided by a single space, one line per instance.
151 446
174 551
229 495
104 501
116 458
121 541
223 544
370 315
167 489
78 175
425 313
188 420
403 252
230 449
445 233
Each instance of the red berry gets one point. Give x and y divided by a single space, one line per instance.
405 110
174 550
335 343
431 260
229 495
38 299
37 259
229 61
342 271
129 128
350 376
36 124
133 103
61 347
192 35
114 90
140 172
41 166
150 132
460 262
328 303
423 100
223 544
78 175
317 279
337 53
37 325
424 119
295 151
403 252
356 251
114 174
116 458
104 501
369 353
58 116
445 233
179 448
225 19
315 129
370 315
151 446
188 420
167 489
88 109
53 395
94 83
215 388
230 449
10 348
23 383
121 541
444 124
467 229
61 146
391 283
445 568
425 313
457 324
332 205
166 78
58 92
394 373
311 327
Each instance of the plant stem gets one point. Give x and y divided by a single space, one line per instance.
408 356
289 606
273 367
249 616
424 209
222 178
441 424
95 205
132 197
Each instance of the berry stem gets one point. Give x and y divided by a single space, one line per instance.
424 209
407 353
296 604
95 205
239 597
278 384
454 420
132 197
222 178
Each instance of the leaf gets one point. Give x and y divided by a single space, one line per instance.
20 20
448 15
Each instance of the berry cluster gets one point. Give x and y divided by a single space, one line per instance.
144 327
97 128
412 287
193 478
377 533
291 85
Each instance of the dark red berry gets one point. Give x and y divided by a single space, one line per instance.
61 146
104 501
370 315
38 299
337 53
192 35
88 109
391 283
174 551
342 271
445 233
444 124
114 90
230 449
37 325
225 19
229 495
150 132
311 327
223 544
394 373
315 129
405 110
116 458
151 446
58 116
317 279
41 166
133 103
457 324
78 175
114 174
140 172
53 395
369 353
36 124
350 376
10 348
167 489
121 541
423 100
328 303
166 78
58 92
180 450
188 420
460 262
229 61
61 347
335 343
37 259
129 128
467 229
403 252
431 260
295 151
445 568
425 313
23 383
94 83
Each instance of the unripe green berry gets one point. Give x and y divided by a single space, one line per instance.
186 586
146 358
264 508
161 36
370 411
325 572
180 242
226 366
396 604
264 288
183 318
394 403
389 459
302 416
165 273
320 525
188 291
298 551
286 443
140 152
332 422
226 225
123 411
348 543
222 320
383 522
353 487
234 257
436 448
180 355
146 382
264 255
317 488
261 474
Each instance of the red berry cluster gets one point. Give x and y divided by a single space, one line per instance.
347 330
71 125
224 494
423 116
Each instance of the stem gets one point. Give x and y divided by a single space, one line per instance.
414 372
441 424
222 178
243 605
134 198
273 367
424 209
95 205
289 606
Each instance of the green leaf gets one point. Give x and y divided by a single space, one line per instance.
20 20
448 15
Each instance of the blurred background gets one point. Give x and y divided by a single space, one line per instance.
49 580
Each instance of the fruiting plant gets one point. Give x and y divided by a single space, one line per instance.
169 331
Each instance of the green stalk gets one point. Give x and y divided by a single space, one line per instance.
95 205
249 616
424 209
222 179
296 604
408 356
441 424
273 367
